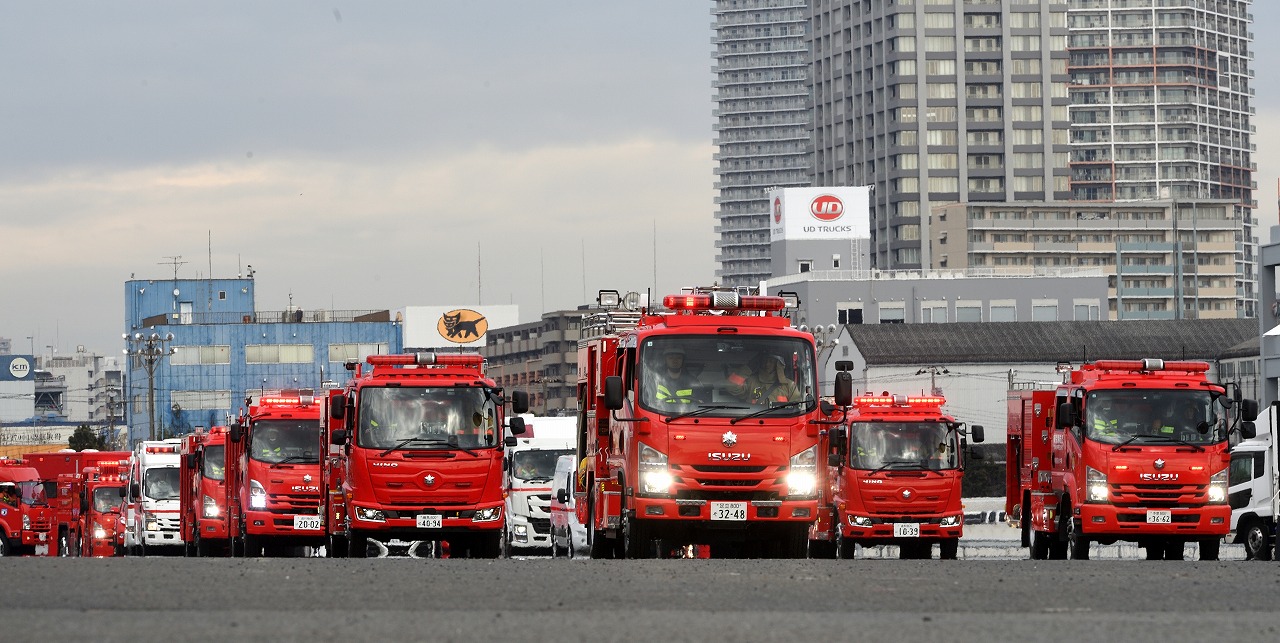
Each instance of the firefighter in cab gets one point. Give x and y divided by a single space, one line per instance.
674 383
770 384
268 446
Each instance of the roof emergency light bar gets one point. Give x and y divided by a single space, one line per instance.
723 301
898 400
1150 365
427 359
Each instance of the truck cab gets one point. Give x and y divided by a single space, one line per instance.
1254 491
154 493
528 469
26 519
205 519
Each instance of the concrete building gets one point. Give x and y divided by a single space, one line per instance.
1164 259
199 347
762 122
80 387
938 102
540 358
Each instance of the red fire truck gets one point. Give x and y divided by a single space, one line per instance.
697 425
893 478
88 509
51 467
1125 450
203 495
273 469
420 456
26 519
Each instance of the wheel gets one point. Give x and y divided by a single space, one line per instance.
204 548
1058 546
845 550
637 538
1155 550
1257 542
1209 548
795 541
1039 545
1077 543
487 545
253 547
949 549
336 546
357 545
1173 550
4 545
823 549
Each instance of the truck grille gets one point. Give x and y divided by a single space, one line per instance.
698 494
1158 495
540 525
710 468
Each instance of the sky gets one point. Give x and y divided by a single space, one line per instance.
370 155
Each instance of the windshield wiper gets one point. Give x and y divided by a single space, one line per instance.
407 441
784 405
1166 438
309 459
890 464
703 409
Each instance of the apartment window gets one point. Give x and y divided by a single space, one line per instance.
939 20
1025 43
1028 160
341 353
941 114
986 161
985 137
933 312
904 43
1025 90
906 115
908 161
977 45
805 265
943 161
941 90
983 114
905 90
191 355
1027 113
944 184
1086 312
987 184
940 67
905 137
940 43
1024 20
1028 137
278 353
941 137
893 314
201 400
905 67
1028 184
1044 310
1026 66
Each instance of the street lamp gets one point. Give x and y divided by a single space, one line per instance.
826 338
150 348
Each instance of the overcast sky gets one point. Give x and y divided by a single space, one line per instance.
367 156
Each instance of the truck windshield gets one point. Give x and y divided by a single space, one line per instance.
426 418
32 493
536 465
293 441
214 457
161 483
106 499
717 376
902 445
1153 417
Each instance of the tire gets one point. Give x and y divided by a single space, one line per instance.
823 549
1039 545
253 547
487 545
949 549
1155 550
504 544
1077 543
1058 546
637 539
336 547
5 550
1209 548
845 550
357 545
1257 542
1173 550
1024 521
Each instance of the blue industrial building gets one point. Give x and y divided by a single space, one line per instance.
198 347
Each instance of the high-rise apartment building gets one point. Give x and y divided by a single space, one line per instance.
763 119
1160 108
935 102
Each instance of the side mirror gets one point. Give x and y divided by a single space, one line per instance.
122 492
1248 430
844 365
135 489
516 426
844 388
519 402
828 409
338 406
833 459
235 432
1066 415
562 495
190 460
338 437
511 440
613 392
975 433
1248 410
839 439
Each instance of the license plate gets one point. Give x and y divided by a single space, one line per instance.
430 521
309 523
1159 517
736 511
906 530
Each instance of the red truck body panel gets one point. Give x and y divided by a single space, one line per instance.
206 523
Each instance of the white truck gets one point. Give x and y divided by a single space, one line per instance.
1254 489
153 518
529 466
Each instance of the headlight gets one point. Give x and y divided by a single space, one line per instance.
654 477
859 521
151 526
210 507
488 515
26 522
803 478
370 515
951 521
257 495
98 532
1096 482
522 530
1218 487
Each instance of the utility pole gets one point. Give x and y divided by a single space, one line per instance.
150 349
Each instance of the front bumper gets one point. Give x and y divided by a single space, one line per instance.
1124 523
882 529
772 511
402 522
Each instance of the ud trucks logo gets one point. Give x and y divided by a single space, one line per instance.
777 210
462 326
827 207
728 439
721 456
1158 477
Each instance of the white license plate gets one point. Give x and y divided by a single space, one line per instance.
1159 517
309 523
906 530
430 521
736 511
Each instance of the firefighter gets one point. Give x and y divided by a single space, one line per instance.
268 447
674 385
770 384
1105 422
9 494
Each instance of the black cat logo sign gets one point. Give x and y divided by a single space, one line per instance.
462 326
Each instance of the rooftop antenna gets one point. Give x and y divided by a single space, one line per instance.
479 279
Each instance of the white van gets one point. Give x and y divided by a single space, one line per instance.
568 535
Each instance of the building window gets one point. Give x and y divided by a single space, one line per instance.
222 295
806 265
192 355
932 312
278 353
201 400
1004 312
848 314
968 312
341 353
893 314
1044 311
